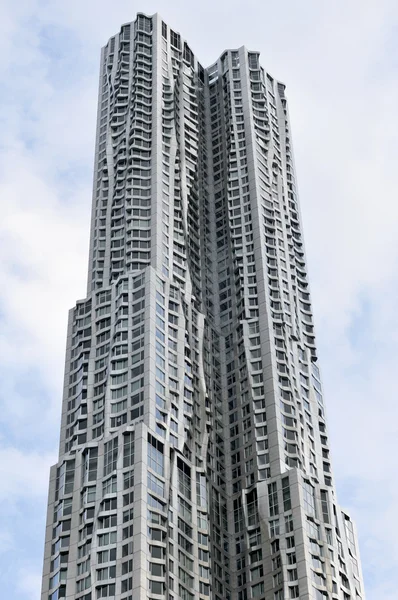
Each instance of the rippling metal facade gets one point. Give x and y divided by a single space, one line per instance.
194 460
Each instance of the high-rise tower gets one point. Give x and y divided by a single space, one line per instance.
194 460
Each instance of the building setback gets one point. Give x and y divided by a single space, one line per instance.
194 459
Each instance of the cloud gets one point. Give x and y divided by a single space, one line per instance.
43 241
338 61
6 542
23 494
23 472
29 583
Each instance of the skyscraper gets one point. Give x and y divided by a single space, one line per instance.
194 460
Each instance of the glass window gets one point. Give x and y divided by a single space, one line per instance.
128 449
155 455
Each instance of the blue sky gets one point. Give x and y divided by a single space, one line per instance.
339 60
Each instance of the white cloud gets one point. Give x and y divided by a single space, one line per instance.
24 473
29 583
337 60
6 542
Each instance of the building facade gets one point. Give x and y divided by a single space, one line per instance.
194 460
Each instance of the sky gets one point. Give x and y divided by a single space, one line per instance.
339 61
